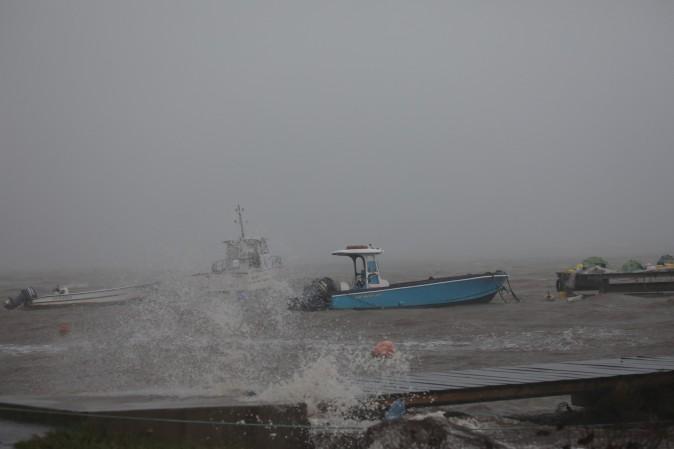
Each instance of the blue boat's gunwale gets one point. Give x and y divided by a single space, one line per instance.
413 284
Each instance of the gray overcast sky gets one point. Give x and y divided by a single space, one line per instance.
129 130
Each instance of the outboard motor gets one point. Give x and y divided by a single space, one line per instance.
26 296
315 296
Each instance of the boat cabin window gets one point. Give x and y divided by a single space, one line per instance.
372 272
254 260
359 268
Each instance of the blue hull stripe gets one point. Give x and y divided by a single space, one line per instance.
432 283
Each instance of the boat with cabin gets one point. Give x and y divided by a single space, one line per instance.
370 290
245 254
248 265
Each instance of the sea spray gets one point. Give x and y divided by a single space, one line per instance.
188 335
326 377
194 336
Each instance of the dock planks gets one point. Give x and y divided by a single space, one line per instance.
522 381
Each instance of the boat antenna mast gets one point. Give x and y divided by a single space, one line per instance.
239 211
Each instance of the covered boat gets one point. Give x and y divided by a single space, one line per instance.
634 278
370 291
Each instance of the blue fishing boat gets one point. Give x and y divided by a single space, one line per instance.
370 291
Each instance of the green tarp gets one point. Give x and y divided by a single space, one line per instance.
632 265
595 262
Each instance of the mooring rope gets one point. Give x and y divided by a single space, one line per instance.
510 289
177 421
271 425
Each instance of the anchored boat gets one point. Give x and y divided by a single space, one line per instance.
248 266
245 255
62 296
370 291
634 278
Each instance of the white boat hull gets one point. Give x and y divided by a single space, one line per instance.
93 297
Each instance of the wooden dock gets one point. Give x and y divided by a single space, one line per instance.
199 420
525 381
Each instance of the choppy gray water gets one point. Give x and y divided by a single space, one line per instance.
186 339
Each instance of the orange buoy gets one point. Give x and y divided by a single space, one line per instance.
384 349
64 328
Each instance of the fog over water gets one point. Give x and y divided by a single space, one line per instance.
465 129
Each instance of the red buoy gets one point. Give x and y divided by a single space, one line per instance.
384 349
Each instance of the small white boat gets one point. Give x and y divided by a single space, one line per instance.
62 296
